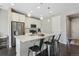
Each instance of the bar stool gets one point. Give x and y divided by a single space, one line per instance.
57 45
48 44
36 48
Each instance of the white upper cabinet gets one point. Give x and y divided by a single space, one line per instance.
15 16
21 18
18 17
30 21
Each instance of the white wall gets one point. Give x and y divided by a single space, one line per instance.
64 23
4 21
46 25
5 25
9 25
64 38
59 27
56 25
56 28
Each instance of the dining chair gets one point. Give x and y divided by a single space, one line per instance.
36 48
48 44
57 44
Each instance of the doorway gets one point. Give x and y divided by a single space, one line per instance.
73 29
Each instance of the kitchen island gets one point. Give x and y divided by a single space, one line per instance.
23 42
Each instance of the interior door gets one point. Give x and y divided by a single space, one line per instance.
75 28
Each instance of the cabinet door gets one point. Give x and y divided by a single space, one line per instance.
15 16
21 18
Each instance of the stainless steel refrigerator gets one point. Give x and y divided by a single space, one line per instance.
17 28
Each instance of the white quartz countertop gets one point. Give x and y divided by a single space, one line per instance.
3 36
24 38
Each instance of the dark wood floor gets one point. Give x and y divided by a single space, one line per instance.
7 52
73 50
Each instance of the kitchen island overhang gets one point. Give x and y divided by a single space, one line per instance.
23 42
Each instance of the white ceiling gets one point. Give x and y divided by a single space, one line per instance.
43 10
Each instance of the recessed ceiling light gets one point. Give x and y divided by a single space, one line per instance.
50 11
48 20
12 4
31 11
29 15
38 7
41 18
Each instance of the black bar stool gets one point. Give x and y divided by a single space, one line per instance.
48 44
57 45
36 48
